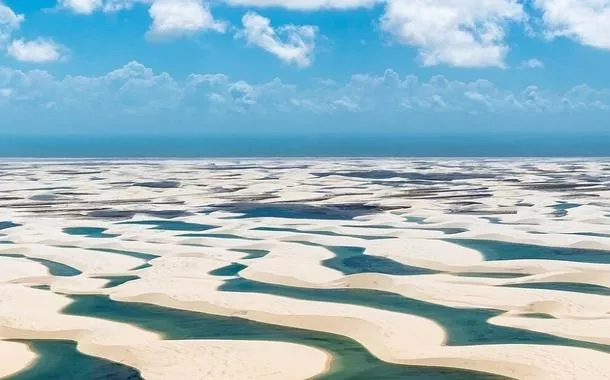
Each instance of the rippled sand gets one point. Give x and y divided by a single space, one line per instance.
331 269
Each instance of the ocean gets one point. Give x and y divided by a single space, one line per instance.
371 145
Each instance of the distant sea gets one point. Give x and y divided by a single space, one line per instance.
458 145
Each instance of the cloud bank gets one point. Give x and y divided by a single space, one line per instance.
137 89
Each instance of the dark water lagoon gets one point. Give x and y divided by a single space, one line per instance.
323 233
55 268
60 360
252 253
91 232
562 208
296 210
445 230
464 326
498 250
351 360
5 225
566 287
172 225
352 260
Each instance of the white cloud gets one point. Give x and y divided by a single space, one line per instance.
532 63
290 43
36 51
585 21
137 90
175 18
85 7
461 33
309 5
464 33
9 22
479 98
346 103
121 5
170 18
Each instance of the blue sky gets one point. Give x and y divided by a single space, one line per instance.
304 66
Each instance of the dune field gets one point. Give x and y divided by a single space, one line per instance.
298 269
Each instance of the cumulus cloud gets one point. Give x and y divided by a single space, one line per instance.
37 51
175 18
464 33
170 18
9 22
87 7
84 7
479 98
585 97
532 63
290 43
137 90
306 4
120 5
585 21
461 33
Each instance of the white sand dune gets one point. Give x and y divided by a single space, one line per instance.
146 351
77 258
394 337
223 360
15 358
398 212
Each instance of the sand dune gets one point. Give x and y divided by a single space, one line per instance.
15 357
310 230
146 351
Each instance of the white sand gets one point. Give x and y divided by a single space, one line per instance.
180 276
155 358
15 358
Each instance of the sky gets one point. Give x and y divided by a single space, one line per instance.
339 67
